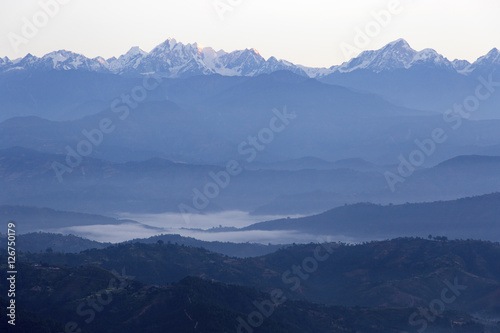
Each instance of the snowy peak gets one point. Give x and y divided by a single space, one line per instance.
5 62
493 55
168 59
172 47
399 44
485 63
131 59
393 56
246 62
398 49
63 60
167 45
175 59
430 57
491 58
135 51
460 65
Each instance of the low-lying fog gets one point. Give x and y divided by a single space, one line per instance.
190 225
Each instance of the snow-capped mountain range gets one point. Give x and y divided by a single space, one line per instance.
395 55
174 59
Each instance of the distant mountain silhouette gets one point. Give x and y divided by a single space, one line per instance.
475 217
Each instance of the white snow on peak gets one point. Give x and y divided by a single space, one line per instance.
431 57
101 60
400 44
426 54
56 57
254 51
221 53
461 66
130 59
76 63
393 56
317 72
209 57
5 61
209 52
136 50
492 57
175 59
171 42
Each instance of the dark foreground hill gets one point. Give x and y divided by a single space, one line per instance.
91 299
406 272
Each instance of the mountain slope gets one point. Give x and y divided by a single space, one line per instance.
329 118
421 80
59 95
159 185
474 217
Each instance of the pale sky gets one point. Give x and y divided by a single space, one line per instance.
307 32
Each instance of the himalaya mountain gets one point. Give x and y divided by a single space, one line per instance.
423 80
174 59
398 55
170 59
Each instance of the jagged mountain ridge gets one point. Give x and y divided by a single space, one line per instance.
170 59
395 55
175 59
